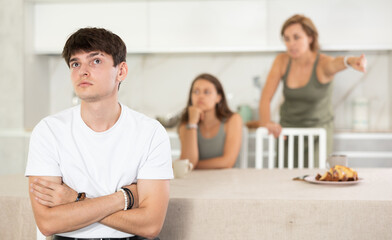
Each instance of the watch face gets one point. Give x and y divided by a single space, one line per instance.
81 197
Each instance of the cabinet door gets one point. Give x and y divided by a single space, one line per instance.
196 25
54 22
341 24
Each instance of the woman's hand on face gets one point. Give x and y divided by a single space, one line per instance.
52 194
359 63
195 114
274 128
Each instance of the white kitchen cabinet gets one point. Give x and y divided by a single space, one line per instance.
215 25
365 149
54 22
207 24
349 24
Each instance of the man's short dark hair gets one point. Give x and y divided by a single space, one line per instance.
95 39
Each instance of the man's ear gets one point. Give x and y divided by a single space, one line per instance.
122 71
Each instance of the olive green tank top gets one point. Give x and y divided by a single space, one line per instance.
307 106
211 147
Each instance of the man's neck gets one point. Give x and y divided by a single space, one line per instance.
100 116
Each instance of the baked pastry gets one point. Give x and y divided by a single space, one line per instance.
338 174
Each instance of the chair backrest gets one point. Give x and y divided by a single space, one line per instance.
290 134
243 155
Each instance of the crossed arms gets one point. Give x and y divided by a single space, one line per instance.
56 211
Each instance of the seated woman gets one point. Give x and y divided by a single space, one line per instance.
210 133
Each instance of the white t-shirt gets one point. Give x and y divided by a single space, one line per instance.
99 163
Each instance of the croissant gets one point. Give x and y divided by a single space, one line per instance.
338 173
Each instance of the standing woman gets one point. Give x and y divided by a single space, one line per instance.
210 133
307 78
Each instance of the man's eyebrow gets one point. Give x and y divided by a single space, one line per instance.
73 59
93 54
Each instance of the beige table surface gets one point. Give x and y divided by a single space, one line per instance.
278 184
268 204
16 216
247 204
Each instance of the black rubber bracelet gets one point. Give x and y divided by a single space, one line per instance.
133 199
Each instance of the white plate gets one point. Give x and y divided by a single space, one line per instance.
312 179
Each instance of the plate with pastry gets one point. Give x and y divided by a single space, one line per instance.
337 175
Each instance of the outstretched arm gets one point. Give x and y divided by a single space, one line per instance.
332 65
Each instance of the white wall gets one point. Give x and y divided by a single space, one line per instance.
12 149
11 64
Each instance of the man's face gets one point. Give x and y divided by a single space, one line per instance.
93 75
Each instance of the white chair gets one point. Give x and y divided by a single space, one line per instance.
243 155
290 133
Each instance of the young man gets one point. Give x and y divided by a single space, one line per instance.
80 159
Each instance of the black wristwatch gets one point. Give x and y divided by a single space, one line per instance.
81 197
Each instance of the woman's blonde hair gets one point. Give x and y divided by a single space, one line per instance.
307 25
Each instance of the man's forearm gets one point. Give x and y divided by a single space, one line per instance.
54 213
76 215
146 220
134 221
